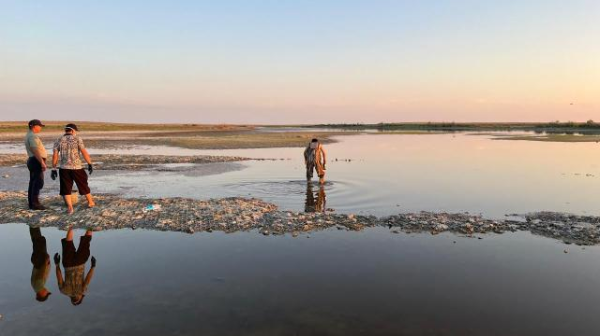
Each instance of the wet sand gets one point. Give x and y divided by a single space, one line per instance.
135 162
17 178
108 136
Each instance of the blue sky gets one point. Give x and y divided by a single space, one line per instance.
300 61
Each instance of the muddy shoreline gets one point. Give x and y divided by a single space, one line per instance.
247 214
235 137
137 162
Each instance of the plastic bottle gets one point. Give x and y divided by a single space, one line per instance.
152 207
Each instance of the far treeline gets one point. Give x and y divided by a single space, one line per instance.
550 127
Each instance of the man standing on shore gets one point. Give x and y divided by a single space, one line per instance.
68 149
36 163
315 159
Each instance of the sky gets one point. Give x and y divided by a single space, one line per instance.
295 61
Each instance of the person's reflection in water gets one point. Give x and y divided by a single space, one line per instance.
312 203
41 264
75 283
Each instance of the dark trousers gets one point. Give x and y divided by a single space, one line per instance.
36 182
40 252
74 257
310 168
68 176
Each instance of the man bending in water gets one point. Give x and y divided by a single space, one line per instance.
315 159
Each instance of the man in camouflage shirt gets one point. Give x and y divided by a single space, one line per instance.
68 150
315 158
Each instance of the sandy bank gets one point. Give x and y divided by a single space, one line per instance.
199 137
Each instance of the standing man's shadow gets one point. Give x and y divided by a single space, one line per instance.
41 264
315 203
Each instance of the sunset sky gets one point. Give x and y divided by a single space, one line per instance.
294 61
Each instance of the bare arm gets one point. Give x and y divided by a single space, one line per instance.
54 158
86 156
88 278
59 277
324 155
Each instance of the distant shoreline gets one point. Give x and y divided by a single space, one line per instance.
230 136
590 127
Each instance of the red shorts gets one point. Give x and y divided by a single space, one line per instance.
68 176
74 257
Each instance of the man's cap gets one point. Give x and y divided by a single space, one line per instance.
71 127
35 122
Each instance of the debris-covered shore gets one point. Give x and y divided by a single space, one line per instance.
244 214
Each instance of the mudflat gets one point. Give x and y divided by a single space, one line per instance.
134 162
193 136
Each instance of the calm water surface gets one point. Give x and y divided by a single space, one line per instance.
333 283
385 174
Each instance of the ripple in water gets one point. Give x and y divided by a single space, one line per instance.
292 194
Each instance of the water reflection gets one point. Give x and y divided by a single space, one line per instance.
75 283
315 202
41 264
281 280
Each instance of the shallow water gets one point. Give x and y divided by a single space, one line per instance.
385 174
371 282
335 283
